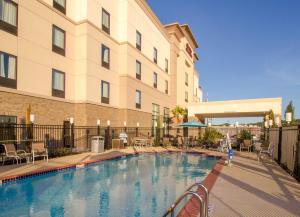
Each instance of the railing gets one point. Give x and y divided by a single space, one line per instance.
287 147
203 208
69 139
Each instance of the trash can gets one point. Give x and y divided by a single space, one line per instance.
97 144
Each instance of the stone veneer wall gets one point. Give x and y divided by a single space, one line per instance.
48 111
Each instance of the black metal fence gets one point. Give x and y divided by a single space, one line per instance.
287 147
69 139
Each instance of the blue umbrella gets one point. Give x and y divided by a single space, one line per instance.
191 124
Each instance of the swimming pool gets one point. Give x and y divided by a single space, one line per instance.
133 186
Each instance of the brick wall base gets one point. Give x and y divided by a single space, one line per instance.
52 112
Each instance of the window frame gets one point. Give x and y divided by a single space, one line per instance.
186 79
103 63
166 87
186 96
155 55
55 48
59 7
138 76
7 27
55 92
105 28
155 81
138 105
105 100
138 46
166 65
8 82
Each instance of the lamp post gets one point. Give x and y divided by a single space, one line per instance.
98 127
137 129
107 134
125 126
72 131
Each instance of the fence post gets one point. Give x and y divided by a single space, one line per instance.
72 135
98 130
279 145
297 160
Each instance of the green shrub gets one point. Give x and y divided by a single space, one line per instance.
211 136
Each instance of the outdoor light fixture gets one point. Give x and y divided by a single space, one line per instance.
125 124
163 125
108 122
155 124
31 118
71 120
209 124
271 123
137 124
98 122
288 117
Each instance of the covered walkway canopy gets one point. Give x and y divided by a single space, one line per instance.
236 108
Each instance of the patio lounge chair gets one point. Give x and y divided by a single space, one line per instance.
266 152
10 152
39 150
246 145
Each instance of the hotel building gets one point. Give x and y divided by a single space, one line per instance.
93 59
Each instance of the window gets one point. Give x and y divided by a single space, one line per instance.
8 70
154 79
166 87
60 5
105 21
186 98
186 79
58 40
155 120
105 92
105 56
7 119
58 83
155 55
138 99
9 16
166 121
166 65
138 40
138 70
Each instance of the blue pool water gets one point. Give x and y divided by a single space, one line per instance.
142 185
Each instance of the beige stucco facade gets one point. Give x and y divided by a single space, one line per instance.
82 63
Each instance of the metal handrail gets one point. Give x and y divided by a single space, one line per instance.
174 205
200 185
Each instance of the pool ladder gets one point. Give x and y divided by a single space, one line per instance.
203 209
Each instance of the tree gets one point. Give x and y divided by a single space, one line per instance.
178 113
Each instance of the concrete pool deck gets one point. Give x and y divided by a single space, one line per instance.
248 188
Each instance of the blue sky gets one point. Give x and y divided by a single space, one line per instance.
247 48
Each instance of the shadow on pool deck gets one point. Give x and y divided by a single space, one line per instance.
250 188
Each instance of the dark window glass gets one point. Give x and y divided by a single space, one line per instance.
154 79
8 70
60 5
58 83
58 40
105 53
155 55
105 21
9 16
138 73
138 40
138 99
105 92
